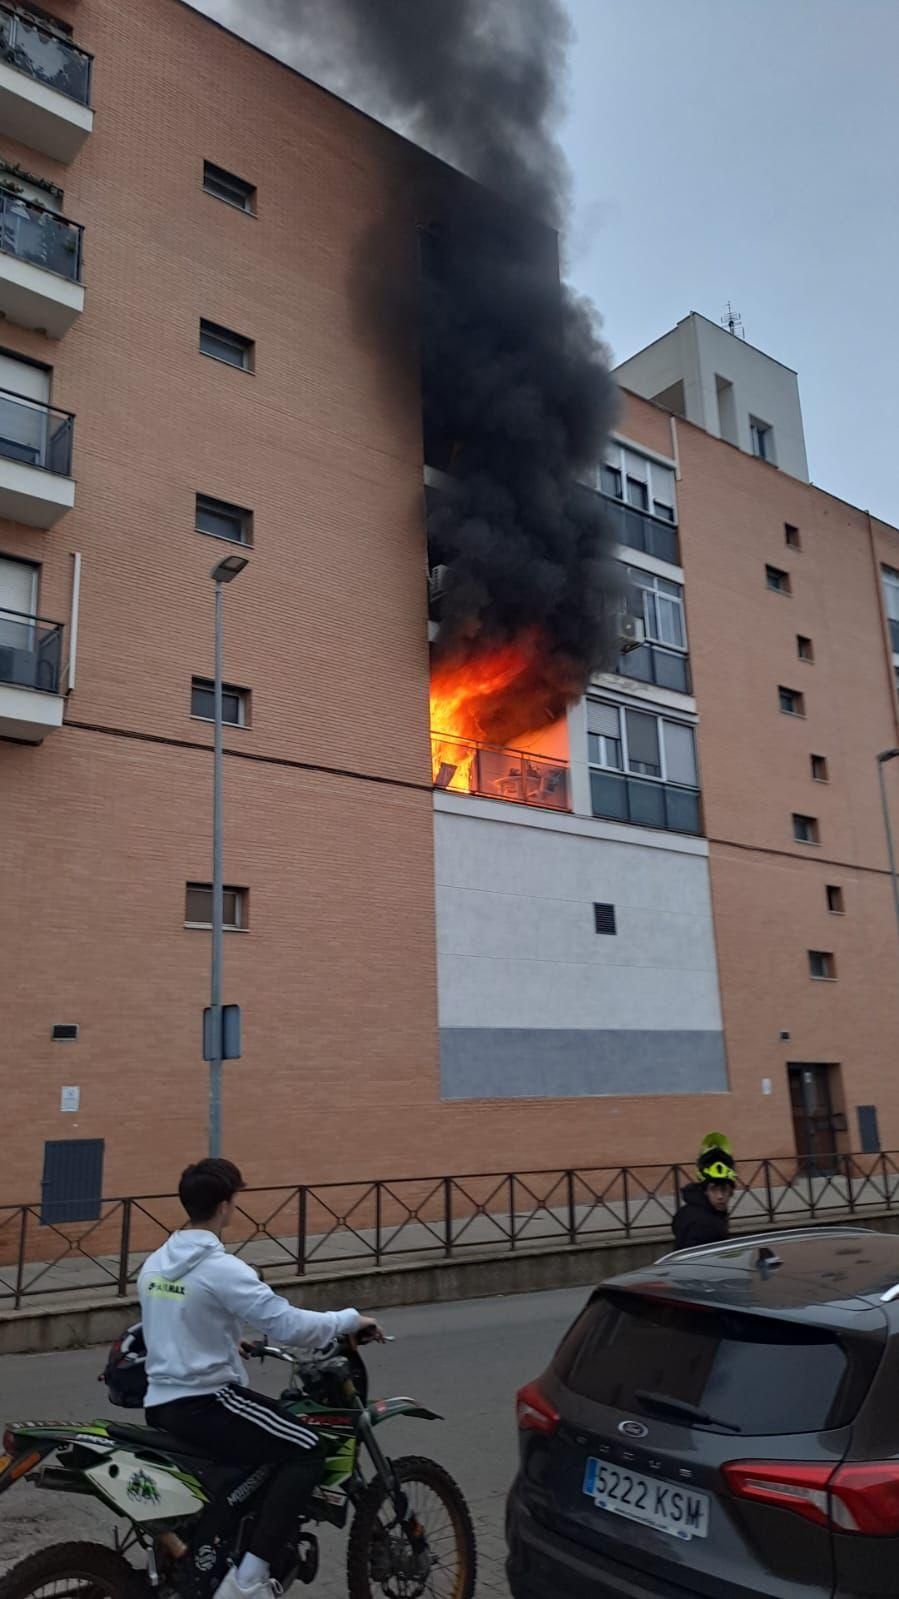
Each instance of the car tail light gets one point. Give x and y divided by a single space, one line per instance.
534 1411
859 1498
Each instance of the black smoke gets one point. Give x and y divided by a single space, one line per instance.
517 395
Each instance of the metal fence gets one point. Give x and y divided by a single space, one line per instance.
302 1230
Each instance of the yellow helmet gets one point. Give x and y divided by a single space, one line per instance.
716 1162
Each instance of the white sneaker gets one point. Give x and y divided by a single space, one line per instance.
230 1588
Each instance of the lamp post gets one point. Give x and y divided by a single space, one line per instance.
883 757
224 572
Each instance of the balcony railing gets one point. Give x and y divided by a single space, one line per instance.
647 804
39 236
30 651
652 663
47 56
37 434
637 530
465 767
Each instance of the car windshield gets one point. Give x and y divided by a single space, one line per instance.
738 1373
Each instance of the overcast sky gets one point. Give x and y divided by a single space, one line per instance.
748 150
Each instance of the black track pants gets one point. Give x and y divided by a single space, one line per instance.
242 1428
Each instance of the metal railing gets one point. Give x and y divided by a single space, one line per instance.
653 663
32 233
300 1230
30 651
644 802
637 530
29 46
38 434
465 767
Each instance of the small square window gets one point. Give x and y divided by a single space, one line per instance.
820 769
792 537
226 186
805 649
198 907
235 702
821 965
777 580
223 521
792 703
221 344
805 829
604 919
835 901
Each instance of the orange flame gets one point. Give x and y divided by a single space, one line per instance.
497 696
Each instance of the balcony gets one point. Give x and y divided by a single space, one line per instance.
464 767
646 804
637 530
45 87
31 704
40 267
36 486
653 663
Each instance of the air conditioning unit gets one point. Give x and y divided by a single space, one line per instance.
631 633
437 583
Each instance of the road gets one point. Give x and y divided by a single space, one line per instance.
464 1360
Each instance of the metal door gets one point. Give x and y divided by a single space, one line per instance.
72 1185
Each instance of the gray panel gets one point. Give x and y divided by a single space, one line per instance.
566 1063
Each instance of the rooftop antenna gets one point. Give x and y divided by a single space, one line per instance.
733 321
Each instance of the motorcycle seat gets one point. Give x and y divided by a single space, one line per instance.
150 1438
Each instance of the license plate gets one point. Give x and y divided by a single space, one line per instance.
679 1512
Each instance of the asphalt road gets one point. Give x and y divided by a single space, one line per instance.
464 1360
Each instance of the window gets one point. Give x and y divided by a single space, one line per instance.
792 537
835 901
777 580
610 482
225 186
604 918
223 521
643 768
821 965
792 703
805 829
235 702
891 601
662 607
805 649
645 484
753 1374
820 769
762 439
223 345
198 907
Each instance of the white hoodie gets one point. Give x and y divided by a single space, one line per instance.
195 1301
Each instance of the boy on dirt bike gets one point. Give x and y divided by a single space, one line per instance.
195 1300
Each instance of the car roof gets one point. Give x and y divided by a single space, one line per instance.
830 1275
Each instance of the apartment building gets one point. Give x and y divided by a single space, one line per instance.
670 912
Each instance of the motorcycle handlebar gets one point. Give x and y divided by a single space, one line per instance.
258 1349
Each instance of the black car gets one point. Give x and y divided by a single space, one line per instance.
723 1423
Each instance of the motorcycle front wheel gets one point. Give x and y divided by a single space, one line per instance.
435 1557
73 1570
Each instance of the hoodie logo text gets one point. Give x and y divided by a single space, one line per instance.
164 1289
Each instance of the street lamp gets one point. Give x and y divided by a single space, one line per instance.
883 757
224 572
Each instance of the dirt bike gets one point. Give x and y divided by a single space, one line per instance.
191 1517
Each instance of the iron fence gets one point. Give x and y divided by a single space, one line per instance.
297 1231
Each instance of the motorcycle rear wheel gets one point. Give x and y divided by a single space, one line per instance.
72 1571
380 1560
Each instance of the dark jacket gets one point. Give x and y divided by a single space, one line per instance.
696 1222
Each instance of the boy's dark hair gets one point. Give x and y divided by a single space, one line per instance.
207 1185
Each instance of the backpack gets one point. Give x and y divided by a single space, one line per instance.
125 1372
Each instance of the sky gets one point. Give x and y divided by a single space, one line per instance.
747 151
